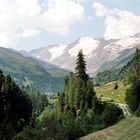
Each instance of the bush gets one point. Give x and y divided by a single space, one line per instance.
137 112
111 114
116 86
6 130
133 96
27 133
131 99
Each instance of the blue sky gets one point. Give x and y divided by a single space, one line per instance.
31 24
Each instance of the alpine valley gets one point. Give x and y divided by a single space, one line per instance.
28 71
45 68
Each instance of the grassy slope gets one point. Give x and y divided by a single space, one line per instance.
126 129
107 92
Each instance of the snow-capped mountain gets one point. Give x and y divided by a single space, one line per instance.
98 52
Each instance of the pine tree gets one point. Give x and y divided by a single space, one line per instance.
133 93
136 66
1 79
79 92
116 86
80 69
15 107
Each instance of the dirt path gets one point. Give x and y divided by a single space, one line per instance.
125 110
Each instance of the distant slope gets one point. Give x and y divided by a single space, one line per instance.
54 71
117 72
127 129
119 62
100 54
26 70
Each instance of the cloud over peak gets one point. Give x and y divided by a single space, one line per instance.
118 23
61 14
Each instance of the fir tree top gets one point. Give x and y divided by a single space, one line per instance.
80 69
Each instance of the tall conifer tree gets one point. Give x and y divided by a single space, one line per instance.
80 69
133 93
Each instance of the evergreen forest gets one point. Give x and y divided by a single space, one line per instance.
27 114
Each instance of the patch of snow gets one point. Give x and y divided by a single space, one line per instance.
122 44
128 42
113 48
57 51
87 44
38 57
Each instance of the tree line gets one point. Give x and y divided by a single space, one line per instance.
27 114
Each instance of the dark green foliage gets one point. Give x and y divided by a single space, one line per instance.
110 114
79 95
137 112
39 102
17 103
109 76
116 86
80 69
78 109
131 98
46 129
28 133
133 93
15 108
69 126
114 74
7 130
50 127
1 78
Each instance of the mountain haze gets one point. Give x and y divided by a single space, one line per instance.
45 68
29 71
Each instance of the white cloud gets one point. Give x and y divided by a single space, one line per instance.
118 23
100 9
61 14
26 18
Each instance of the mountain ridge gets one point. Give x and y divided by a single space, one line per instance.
29 71
97 51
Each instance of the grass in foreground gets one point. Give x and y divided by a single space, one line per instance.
127 129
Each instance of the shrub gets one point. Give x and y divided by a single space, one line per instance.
111 114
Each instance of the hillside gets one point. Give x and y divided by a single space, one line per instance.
28 71
126 129
53 70
115 73
106 92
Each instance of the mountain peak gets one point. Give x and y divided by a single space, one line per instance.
97 51
87 44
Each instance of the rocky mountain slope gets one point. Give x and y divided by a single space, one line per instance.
100 54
